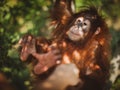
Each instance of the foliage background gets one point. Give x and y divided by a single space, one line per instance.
18 17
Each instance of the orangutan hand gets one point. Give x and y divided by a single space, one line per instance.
47 60
27 44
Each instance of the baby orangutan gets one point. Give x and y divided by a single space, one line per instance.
81 38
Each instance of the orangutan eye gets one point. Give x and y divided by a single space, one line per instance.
84 23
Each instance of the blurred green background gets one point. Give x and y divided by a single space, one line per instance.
18 17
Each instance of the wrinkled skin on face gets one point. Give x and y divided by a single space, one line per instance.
79 30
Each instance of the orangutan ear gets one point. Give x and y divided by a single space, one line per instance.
98 31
